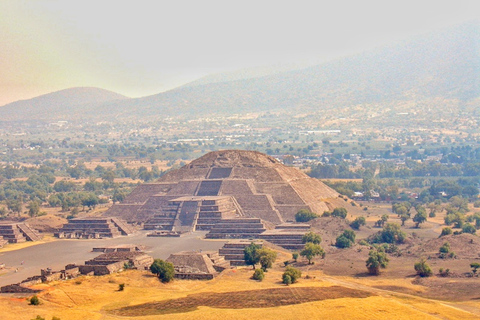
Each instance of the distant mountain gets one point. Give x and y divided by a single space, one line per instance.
63 104
433 71
437 67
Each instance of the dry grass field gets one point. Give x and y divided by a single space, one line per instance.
233 295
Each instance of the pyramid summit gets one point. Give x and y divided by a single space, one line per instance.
225 185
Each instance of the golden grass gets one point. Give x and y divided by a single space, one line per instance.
94 297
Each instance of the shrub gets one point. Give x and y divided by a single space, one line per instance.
291 275
165 271
468 228
295 256
305 215
474 266
423 269
327 214
445 252
258 274
359 221
34 300
444 273
346 239
446 231
476 204
342 242
339 212
121 286
311 237
377 259
391 233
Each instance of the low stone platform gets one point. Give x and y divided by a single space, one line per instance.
18 232
94 228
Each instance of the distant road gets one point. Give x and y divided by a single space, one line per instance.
59 253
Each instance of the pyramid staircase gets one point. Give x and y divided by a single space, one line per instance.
29 233
240 228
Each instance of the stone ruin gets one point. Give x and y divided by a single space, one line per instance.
107 263
197 265
96 228
232 193
18 232
116 261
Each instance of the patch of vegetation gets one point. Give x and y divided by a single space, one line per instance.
377 259
291 275
34 300
258 275
423 269
358 222
312 250
346 239
391 233
165 271
445 251
305 215
311 237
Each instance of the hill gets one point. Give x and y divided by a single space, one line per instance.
441 67
60 105
438 72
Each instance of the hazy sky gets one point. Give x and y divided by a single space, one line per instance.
138 48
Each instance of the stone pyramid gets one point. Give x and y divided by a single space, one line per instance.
223 185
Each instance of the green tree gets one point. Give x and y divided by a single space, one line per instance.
295 256
391 233
311 250
339 212
251 254
359 221
404 217
291 275
377 259
266 258
33 208
311 237
165 271
305 215
346 239
468 228
423 269
420 217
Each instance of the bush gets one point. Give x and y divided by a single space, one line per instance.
444 273
468 228
291 275
305 215
445 252
377 259
34 300
165 271
258 274
391 233
343 242
476 204
295 256
446 231
359 221
339 212
121 286
423 269
346 239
